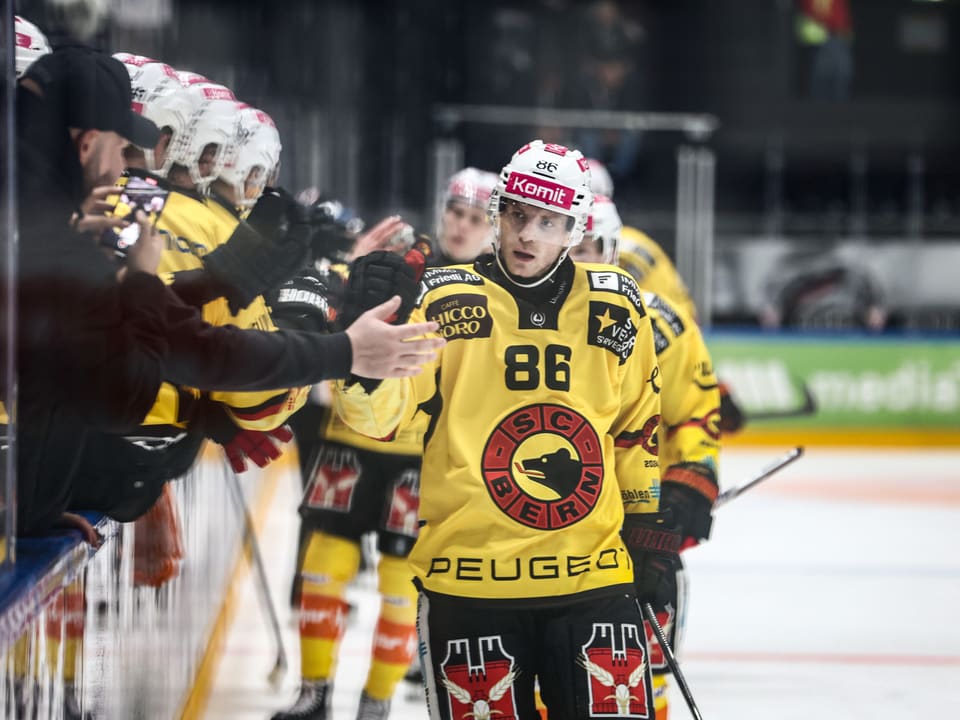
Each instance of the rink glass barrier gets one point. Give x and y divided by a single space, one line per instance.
77 635
893 389
8 254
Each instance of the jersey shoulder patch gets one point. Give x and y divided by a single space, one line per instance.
663 309
615 281
438 277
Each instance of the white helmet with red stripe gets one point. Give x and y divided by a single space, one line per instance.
253 156
604 227
31 44
158 96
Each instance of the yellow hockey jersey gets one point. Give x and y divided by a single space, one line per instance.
543 432
689 397
191 228
650 266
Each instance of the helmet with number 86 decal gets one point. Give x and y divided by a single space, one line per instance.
550 177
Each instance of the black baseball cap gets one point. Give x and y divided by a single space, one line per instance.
94 92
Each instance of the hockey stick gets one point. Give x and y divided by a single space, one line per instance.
774 467
250 542
809 407
651 617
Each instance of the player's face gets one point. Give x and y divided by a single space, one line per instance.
253 185
531 238
206 159
587 251
465 233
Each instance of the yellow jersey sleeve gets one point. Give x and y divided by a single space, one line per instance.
690 399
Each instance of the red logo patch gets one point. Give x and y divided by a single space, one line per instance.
403 512
334 481
479 684
533 188
614 659
543 466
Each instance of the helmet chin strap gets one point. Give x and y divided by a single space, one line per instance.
534 283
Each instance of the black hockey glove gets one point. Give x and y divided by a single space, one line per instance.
689 490
653 544
261 254
374 279
303 303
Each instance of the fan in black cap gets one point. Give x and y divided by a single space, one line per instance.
94 92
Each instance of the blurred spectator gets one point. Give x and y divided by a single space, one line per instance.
607 78
820 291
825 29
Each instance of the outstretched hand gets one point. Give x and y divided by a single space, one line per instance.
382 350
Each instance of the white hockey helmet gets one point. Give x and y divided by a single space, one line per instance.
158 96
601 183
604 227
463 239
253 155
31 44
471 186
547 176
213 124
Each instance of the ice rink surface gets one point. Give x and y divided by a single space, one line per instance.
830 591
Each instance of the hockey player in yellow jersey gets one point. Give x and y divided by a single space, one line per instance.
690 413
541 448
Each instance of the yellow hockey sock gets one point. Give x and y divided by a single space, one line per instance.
395 639
329 564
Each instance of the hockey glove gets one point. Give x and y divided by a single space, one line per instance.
239 445
653 544
260 254
303 303
731 416
374 279
689 490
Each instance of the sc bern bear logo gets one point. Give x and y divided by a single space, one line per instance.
543 466
557 470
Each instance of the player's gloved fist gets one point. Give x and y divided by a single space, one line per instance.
262 253
689 490
653 544
259 447
302 303
374 279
